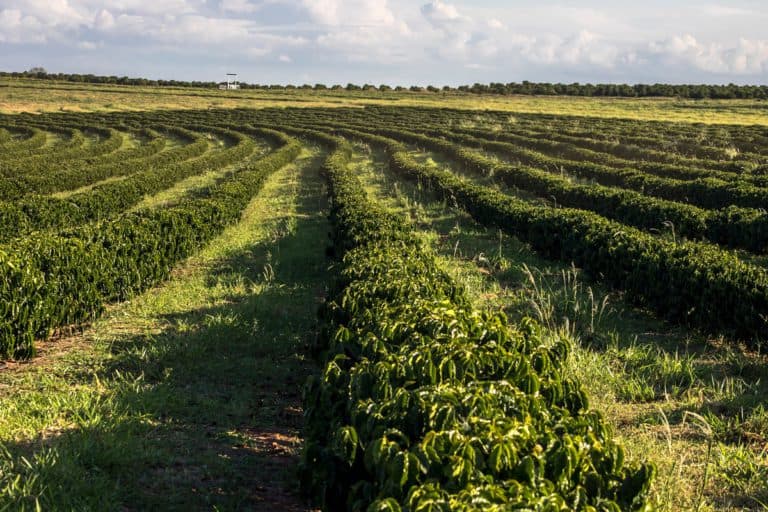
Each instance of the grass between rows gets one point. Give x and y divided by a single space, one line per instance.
189 186
691 405
188 396
130 141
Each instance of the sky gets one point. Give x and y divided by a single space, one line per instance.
395 42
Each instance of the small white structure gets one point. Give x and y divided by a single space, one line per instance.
231 82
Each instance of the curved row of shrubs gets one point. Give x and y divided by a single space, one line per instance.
703 192
424 404
687 282
110 141
35 139
744 228
50 280
68 177
59 138
36 212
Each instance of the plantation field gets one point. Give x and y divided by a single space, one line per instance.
266 301
29 95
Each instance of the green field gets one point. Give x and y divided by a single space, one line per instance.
260 300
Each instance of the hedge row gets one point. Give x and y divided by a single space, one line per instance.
715 159
49 281
151 157
104 201
568 148
70 138
424 404
35 139
111 141
744 228
687 282
148 139
703 192
631 140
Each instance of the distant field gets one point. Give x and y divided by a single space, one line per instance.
17 95
250 300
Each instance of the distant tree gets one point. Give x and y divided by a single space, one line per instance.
692 91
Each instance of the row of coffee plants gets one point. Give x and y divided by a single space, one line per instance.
34 139
110 141
744 228
59 139
148 142
652 160
569 150
48 281
191 145
425 404
545 142
688 282
629 138
37 212
732 227
706 193
610 131
732 149
742 172
662 145
143 136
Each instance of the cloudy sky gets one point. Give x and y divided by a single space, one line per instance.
398 42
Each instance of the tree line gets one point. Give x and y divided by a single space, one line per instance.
692 91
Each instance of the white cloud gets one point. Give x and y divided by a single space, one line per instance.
256 52
104 20
285 58
16 27
349 12
436 39
726 10
55 12
145 7
745 57
87 45
322 11
239 6
440 14
494 24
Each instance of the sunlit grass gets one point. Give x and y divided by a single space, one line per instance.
26 95
687 403
188 396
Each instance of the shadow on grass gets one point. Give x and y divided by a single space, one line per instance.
205 414
677 368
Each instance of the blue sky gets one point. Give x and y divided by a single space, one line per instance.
395 42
